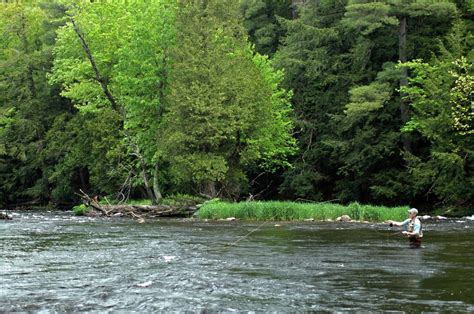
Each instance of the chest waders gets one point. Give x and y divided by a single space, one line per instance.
415 241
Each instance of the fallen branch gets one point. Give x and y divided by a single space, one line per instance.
136 211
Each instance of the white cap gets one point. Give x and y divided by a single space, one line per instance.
413 210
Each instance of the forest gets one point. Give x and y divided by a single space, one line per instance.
305 100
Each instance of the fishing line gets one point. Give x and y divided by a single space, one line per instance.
387 234
245 236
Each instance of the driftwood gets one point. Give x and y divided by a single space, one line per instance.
137 211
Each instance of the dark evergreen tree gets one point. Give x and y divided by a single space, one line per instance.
316 58
28 104
261 22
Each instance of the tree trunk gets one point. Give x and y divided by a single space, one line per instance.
156 185
102 81
84 177
294 6
208 190
402 56
148 189
29 78
31 82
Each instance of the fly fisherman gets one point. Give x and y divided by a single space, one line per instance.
413 228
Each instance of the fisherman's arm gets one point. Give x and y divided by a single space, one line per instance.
395 223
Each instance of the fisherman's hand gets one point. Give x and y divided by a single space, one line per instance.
405 233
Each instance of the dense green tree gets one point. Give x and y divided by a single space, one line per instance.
441 93
177 96
226 110
102 65
340 58
418 20
84 147
373 151
27 103
316 58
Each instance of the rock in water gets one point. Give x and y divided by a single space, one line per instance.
145 284
344 218
5 216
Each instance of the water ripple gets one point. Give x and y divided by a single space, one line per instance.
58 262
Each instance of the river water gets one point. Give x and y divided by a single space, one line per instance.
56 262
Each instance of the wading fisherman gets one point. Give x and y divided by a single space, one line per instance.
413 228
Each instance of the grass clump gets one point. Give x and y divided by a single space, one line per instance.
81 210
285 211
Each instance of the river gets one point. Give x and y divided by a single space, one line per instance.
56 262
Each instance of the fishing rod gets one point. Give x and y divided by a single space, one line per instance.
388 234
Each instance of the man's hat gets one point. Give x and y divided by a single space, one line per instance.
413 210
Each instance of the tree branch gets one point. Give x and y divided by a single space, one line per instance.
102 81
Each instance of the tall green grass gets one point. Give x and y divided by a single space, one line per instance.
284 211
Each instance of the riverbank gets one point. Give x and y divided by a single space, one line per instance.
197 207
294 211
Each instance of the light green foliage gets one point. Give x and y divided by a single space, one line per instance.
367 98
462 96
87 144
81 210
224 108
129 44
272 142
441 96
104 36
